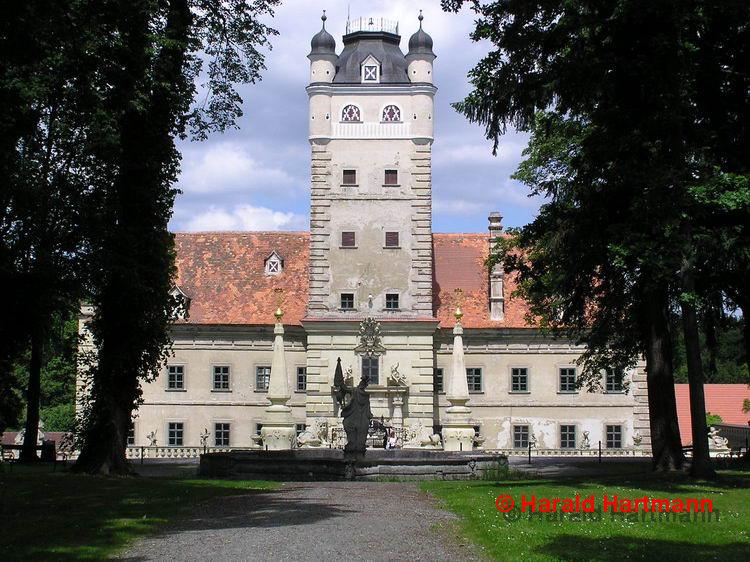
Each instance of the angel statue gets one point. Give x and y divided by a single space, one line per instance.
355 410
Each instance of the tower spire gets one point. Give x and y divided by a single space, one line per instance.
323 19
420 18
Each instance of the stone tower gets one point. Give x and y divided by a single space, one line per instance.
371 133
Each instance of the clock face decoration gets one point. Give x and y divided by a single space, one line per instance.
370 73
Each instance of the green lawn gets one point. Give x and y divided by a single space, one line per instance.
56 516
625 537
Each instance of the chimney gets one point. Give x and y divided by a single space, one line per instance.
497 297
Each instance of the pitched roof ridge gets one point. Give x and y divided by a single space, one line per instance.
235 232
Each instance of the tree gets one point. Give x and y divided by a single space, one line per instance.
41 119
650 93
152 87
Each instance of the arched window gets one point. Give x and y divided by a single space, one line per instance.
391 113
350 113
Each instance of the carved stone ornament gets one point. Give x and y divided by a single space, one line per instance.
397 378
369 338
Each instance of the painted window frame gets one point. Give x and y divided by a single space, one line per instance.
180 388
220 388
266 374
480 375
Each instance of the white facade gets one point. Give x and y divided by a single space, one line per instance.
372 254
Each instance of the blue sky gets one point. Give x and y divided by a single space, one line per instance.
257 177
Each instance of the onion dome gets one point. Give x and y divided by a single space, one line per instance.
420 44
323 42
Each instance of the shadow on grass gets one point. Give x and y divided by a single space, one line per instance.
578 547
75 517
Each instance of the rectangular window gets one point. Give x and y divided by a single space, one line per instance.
174 434
348 239
567 437
300 427
262 378
567 380
391 177
370 368
614 437
349 177
131 434
614 381
391 301
437 380
221 377
474 379
221 435
347 301
258 427
520 436
391 240
519 379
301 378
175 377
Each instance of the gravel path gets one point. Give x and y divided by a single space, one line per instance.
313 522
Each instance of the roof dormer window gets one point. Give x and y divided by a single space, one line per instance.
274 264
371 70
180 303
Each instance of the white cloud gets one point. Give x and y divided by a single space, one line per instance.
227 166
245 217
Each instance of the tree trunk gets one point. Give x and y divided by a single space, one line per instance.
33 390
711 322
104 445
700 466
666 446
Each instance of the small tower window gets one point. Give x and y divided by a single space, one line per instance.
391 114
349 177
391 240
348 239
351 114
391 177
347 301
274 264
391 301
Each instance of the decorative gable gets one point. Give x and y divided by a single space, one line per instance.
180 303
274 264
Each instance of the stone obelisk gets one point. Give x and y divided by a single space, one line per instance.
458 432
278 431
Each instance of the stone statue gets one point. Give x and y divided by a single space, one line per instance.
151 438
315 435
637 438
715 441
356 411
585 443
397 378
417 436
204 437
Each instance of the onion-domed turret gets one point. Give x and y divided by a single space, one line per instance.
323 42
420 44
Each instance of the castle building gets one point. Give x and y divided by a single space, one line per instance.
371 284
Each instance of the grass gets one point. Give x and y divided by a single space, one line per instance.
600 537
57 516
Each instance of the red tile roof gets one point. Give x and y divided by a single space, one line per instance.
459 263
223 274
722 399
